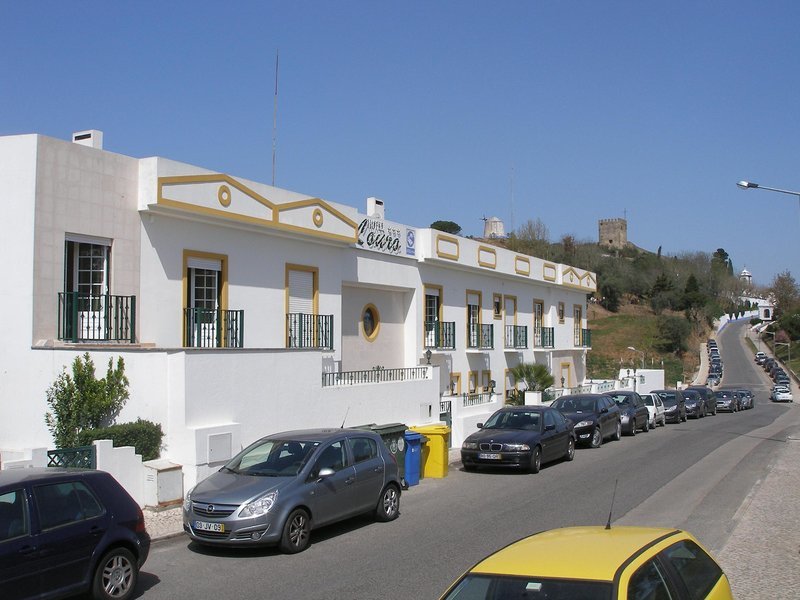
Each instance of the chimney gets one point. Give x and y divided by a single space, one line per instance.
375 208
91 137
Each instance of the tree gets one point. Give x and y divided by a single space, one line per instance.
785 292
81 401
447 227
536 377
673 334
531 238
610 295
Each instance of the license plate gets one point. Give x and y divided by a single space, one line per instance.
487 456
215 527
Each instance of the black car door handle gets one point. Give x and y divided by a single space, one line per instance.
27 550
378 469
349 480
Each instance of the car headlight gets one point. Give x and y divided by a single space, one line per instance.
583 424
517 447
187 501
469 446
260 506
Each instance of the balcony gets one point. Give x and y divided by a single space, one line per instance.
516 337
309 331
381 375
544 337
104 318
583 338
213 328
480 337
440 335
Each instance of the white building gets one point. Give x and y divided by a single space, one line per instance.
242 309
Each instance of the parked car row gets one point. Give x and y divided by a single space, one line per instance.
782 390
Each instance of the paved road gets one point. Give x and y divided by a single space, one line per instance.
696 475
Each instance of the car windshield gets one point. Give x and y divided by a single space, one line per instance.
272 458
668 399
574 404
723 394
475 586
516 419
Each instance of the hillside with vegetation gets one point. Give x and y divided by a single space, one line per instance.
664 306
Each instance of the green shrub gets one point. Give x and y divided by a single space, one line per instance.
145 436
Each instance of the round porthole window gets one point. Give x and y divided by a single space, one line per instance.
370 322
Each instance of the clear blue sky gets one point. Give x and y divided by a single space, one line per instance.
600 109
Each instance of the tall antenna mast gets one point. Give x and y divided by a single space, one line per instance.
275 119
512 198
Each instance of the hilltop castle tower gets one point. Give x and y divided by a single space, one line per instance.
613 233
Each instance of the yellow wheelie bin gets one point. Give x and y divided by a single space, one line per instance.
436 453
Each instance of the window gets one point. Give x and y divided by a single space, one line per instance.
455 383
696 568
560 312
538 322
370 322
87 264
362 449
333 457
648 583
472 380
549 419
473 319
497 306
13 515
433 315
64 503
486 378
577 325
204 298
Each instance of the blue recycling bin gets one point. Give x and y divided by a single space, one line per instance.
413 457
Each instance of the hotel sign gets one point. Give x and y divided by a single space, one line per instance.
385 237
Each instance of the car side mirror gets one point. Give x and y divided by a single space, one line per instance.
550 427
603 410
324 473
480 425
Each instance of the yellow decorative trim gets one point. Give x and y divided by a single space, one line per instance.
272 222
549 272
377 322
492 264
317 217
522 265
444 254
224 195
568 379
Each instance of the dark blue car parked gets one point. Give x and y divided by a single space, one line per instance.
68 531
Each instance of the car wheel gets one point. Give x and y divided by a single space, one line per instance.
632 432
388 508
116 575
646 427
296 532
570 450
618 431
597 438
683 418
536 460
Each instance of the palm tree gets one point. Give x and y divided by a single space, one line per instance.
535 376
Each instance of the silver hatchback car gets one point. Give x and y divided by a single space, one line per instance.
280 487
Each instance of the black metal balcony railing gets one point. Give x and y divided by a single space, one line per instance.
309 331
374 376
440 335
480 336
213 328
516 336
583 338
544 337
104 318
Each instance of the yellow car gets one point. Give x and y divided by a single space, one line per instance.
597 563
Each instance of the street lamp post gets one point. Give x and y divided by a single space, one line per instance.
789 346
639 351
749 185
635 375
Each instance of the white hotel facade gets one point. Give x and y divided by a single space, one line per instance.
243 309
